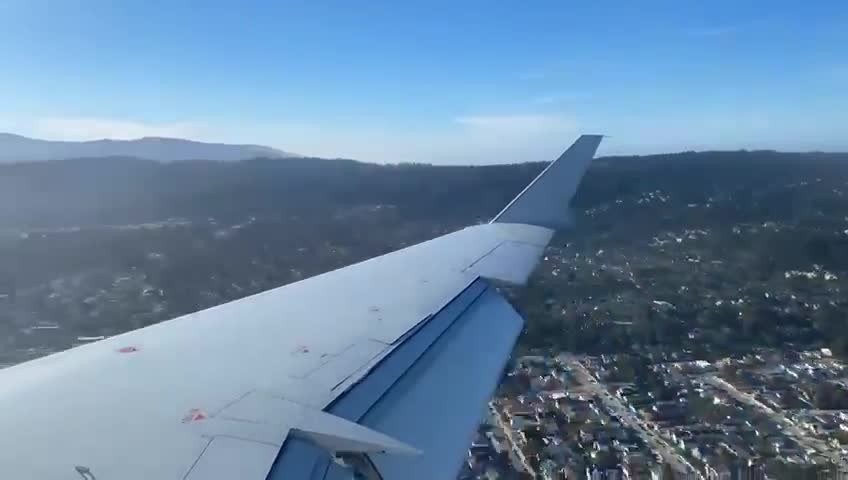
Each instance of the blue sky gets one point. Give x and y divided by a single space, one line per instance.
431 81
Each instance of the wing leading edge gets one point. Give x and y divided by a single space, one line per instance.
337 363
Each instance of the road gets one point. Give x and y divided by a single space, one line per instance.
801 437
658 444
519 461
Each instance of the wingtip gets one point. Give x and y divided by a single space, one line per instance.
595 137
544 202
592 136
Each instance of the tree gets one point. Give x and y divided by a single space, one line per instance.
667 472
830 396
818 250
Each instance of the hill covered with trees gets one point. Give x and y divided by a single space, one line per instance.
705 250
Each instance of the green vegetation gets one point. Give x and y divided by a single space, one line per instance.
709 252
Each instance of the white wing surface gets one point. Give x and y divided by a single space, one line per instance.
381 368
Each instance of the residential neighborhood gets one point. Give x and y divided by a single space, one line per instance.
671 416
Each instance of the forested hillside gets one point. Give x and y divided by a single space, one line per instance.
694 249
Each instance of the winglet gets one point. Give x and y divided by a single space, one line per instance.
544 202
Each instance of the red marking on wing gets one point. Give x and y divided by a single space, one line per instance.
195 415
128 349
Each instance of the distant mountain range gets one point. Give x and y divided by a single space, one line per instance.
16 148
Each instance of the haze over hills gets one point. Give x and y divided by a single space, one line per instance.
17 148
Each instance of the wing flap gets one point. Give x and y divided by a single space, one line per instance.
426 393
436 405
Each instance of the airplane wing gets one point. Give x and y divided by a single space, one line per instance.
380 368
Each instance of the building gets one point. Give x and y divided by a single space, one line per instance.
596 473
8 291
637 466
717 469
751 470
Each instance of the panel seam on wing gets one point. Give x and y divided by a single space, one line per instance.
505 242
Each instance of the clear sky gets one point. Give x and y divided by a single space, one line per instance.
431 81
